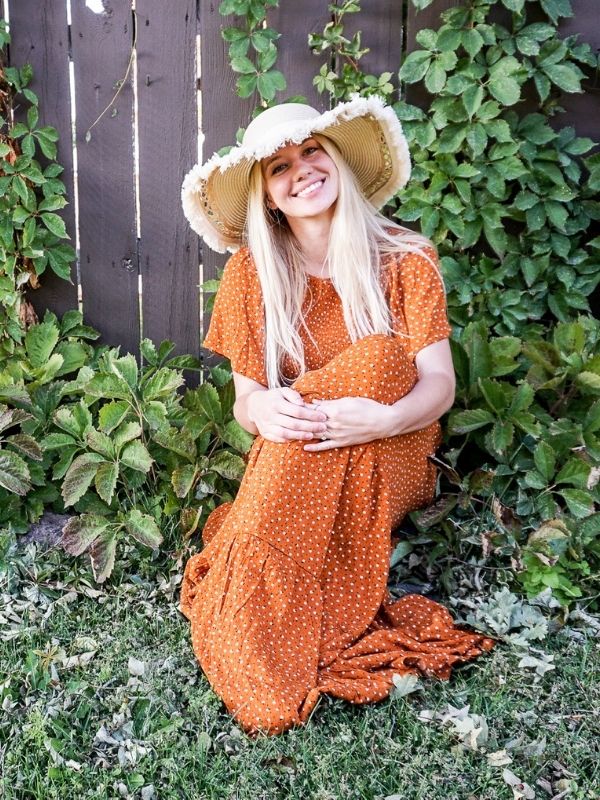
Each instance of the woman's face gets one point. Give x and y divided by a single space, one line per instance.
301 180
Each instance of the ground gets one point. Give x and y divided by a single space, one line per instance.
102 698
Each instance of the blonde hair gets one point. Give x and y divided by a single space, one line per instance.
354 261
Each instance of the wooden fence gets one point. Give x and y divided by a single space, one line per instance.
139 265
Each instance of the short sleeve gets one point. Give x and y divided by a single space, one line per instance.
236 324
417 297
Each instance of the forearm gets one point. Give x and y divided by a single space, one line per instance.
241 413
430 398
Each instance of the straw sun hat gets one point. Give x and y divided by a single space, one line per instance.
366 131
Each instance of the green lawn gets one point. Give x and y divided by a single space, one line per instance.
151 727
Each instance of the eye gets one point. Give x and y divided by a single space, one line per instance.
277 168
310 149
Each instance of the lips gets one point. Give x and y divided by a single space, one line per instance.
310 189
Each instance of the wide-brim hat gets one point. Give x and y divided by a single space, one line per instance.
365 130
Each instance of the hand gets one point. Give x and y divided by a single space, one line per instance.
281 415
350 421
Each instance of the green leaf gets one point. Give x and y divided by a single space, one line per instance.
14 473
80 532
501 436
55 225
592 418
106 480
237 437
56 441
575 472
228 465
178 441
578 502
505 89
143 528
126 433
566 76
183 478
435 79
522 398
470 420
243 64
269 83
557 8
415 66
102 555
40 341
545 460
79 477
161 384
101 443
26 444
127 369
472 99
109 387
206 399
112 414
497 395
137 457
588 381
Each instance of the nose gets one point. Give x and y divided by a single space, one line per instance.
301 169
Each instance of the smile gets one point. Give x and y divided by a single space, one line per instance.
308 190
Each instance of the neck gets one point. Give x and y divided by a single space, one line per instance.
313 237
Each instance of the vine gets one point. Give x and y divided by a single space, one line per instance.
258 74
30 231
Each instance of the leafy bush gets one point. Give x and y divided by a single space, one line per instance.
116 443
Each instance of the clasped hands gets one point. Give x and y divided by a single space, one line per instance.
282 415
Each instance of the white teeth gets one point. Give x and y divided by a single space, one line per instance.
309 189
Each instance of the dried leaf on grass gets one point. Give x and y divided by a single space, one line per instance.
135 667
520 788
405 684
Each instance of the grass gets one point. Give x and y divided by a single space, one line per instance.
113 728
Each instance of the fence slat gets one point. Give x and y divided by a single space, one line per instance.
109 271
294 58
169 249
41 39
381 26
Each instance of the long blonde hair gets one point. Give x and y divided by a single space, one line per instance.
358 239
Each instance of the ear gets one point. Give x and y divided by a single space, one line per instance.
269 203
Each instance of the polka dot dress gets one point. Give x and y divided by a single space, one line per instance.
288 598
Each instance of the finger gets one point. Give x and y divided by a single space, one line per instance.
288 434
318 447
303 412
292 395
301 424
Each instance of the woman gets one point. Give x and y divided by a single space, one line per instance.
334 321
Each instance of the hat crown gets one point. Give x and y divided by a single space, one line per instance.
272 122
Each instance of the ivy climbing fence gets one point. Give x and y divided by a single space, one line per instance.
139 90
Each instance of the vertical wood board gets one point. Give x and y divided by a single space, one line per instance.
109 270
169 249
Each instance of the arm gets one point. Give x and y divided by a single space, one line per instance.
244 387
432 395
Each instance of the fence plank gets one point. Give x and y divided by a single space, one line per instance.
109 270
169 249
381 24
41 39
299 65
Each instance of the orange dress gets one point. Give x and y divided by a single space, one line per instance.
288 598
